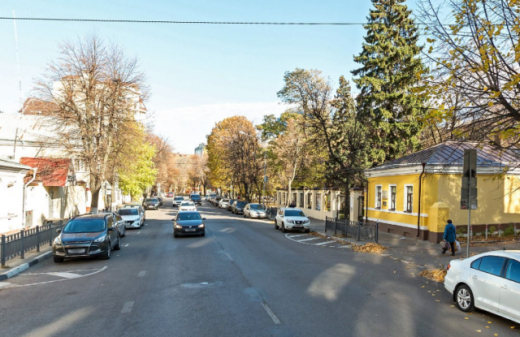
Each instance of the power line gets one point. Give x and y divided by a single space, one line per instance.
192 22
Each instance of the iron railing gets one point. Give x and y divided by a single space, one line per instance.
359 230
17 244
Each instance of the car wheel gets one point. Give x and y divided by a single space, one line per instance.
108 254
464 298
203 234
57 259
276 225
308 230
175 235
283 229
124 232
117 246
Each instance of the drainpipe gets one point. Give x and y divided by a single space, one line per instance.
25 195
419 212
366 203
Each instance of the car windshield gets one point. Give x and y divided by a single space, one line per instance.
84 226
256 206
187 204
151 200
179 198
225 200
294 213
188 216
195 196
128 211
241 204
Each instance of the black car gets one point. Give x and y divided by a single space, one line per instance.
238 207
196 199
231 201
85 236
151 203
188 223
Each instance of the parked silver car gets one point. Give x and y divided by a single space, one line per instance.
256 211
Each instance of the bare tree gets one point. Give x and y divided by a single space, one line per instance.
475 58
96 89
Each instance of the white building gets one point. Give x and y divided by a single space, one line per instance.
11 195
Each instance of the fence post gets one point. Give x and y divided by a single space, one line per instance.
37 238
359 231
486 231
50 233
22 238
377 231
336 226
2 251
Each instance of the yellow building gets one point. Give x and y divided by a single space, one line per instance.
415 195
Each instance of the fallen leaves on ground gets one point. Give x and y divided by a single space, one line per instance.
374 248
434 274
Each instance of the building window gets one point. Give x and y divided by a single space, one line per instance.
318 201
309 200
408 199
300 204
327 202
379 192
393 193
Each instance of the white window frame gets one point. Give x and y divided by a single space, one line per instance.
390 198
406 198
376 197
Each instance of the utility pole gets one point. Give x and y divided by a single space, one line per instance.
15 139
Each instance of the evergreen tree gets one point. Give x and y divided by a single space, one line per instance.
388 103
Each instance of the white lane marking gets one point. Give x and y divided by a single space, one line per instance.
60 280
307 239
229 256
4 284
146 224
271 313
126 245
294 236
139 232
346 246
141 273
324 243
65 275
127 307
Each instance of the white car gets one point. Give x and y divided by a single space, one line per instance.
292 218
187 206
254 211
177 201
131 217
488 281
223 203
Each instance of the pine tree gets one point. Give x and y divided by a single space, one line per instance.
388 103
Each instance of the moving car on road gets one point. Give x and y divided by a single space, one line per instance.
292 218
85 236
178 200
151 203
238 207
131 217
254 211
169 195
187 206
489 281
196 199
189 223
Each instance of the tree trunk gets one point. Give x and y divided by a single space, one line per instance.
346 211
95 200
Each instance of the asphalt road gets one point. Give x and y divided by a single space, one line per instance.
243 279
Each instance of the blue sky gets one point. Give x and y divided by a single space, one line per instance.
198 74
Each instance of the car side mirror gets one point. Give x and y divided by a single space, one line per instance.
58 230
203 218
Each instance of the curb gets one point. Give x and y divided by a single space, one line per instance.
17 270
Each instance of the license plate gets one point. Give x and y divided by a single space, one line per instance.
190 230
76 251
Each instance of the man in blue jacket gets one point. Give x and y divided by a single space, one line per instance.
449 236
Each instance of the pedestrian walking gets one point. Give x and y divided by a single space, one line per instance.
450 236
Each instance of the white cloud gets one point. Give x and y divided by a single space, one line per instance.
187 127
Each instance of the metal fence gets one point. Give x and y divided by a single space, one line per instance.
17 244
270 213
359 230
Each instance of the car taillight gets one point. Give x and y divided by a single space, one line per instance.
449 266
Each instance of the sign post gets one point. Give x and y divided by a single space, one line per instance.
468 193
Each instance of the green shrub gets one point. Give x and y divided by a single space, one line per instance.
509 231
492 230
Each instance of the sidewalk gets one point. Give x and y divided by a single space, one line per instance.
17 265
418 252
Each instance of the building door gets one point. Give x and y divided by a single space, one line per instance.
361 208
